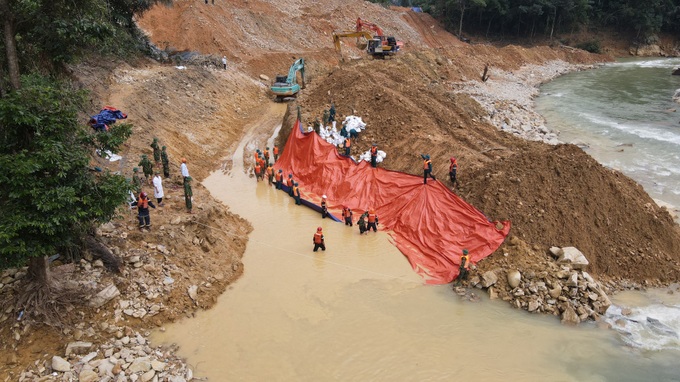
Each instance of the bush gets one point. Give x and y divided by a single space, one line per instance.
592 46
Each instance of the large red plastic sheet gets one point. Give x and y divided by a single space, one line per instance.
429 224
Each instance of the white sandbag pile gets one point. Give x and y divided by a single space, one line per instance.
367 156
354 122
332 135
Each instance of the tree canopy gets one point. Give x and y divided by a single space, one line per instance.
530 18
51 193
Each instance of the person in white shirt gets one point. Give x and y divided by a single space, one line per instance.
224 62
184 170
158 188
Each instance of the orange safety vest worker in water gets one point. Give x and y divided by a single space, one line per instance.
319 240
464 268
347 215
372 221
279 179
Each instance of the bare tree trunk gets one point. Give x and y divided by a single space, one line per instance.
37 270
3 93
460 24
10 45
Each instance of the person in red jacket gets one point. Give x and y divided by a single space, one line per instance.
319 240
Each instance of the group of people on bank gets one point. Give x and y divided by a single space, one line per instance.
151 177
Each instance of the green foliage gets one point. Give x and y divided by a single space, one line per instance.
48 195
527 18
112 139
592 46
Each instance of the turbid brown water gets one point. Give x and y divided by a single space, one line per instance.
357 312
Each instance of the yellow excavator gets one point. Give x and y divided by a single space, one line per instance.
374 46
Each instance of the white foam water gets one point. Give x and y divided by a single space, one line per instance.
652 327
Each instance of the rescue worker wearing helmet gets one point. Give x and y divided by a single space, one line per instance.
464 268
319 240
372 220
143 216
296 193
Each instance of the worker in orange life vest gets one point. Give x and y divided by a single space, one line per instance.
258 171
348 145
453 169
279 179
266 154
374 155
319 240
347 215
296 193
464 268
143 204
290 184
427 168
324 207
372 220
276 153
269 172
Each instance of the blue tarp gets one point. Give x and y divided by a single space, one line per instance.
107 116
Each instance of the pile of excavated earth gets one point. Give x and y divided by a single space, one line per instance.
579 230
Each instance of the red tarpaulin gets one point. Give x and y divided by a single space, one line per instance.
428 223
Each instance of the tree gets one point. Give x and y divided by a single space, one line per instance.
49 197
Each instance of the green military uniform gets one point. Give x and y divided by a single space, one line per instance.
166 163
325 117
156 150
147 167
188 193
137 181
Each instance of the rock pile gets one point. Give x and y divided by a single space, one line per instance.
563 289
126 357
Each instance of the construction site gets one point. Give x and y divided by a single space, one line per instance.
409 81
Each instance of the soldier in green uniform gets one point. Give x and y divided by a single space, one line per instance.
188 193
325 117
137 181
147 167
166 163
156 150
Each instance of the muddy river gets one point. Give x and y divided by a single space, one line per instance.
357 312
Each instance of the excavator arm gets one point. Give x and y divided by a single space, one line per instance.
298 66
359 35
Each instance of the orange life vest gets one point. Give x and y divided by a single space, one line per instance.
348 143
426 164
266 153
143 203
279 177
374 151
257 156
257 170
346 212
269 171
372 216
465 261
289 182
318 237
276 150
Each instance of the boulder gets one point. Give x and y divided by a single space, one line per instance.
514 278
193 292
105 295
489 278
60 364
676 71
264 77
140 365
571 255
569 316
146 377
533 305
78 347
88 376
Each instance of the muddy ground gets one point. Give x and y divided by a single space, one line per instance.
554 195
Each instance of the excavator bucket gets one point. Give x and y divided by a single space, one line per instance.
362 44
